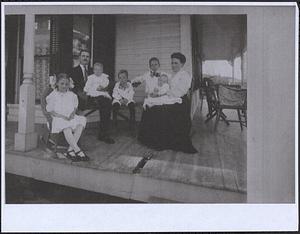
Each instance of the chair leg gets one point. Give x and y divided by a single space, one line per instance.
219 111
223 116
115 112
245 115
115 119
240 119
211 116
48 138
55 139
201 103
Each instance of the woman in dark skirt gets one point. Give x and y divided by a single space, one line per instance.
168 126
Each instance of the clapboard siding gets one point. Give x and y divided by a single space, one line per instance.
140 37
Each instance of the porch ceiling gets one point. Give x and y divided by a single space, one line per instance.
222 37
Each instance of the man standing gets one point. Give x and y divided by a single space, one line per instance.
80 75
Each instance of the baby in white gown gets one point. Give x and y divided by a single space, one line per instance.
159 96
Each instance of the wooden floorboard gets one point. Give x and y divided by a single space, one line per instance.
220 161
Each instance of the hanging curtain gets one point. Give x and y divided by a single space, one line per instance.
104 44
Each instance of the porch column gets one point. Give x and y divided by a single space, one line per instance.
186 41
186 49
26 137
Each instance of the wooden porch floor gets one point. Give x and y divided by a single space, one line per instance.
219 164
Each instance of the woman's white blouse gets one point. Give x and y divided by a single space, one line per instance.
151 81
180 83
93 82
119 93
61 103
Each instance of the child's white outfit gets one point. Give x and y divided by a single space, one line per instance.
121 93
64 104
163 98
150 78
93 82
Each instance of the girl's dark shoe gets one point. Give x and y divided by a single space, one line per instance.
82 156
71 155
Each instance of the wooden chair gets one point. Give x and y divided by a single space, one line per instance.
232 98
212 100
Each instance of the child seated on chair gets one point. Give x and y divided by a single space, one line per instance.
123 95
159 96
62 105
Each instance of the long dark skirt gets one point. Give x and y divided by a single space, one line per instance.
167 127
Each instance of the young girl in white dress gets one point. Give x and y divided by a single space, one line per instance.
62 105
123 95
160 96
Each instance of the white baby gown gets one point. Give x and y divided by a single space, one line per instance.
93 83
164 99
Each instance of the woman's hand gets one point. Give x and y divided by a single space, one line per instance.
54 114
72 115
63 117
123 101
135 84
170 94
100 88
66 118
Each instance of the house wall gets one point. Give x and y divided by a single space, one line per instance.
140 37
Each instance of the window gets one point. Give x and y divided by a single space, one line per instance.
81 36
41 54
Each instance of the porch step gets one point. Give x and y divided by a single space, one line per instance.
114 177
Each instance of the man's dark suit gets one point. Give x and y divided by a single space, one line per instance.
103 104
78 78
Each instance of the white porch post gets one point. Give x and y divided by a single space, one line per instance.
26 137
186 41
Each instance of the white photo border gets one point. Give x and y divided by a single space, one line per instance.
148 217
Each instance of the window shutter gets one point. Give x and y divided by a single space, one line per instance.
61 43
104 44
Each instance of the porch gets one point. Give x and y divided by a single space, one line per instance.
216 174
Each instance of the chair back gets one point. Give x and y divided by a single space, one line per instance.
46 92
232 97
210 90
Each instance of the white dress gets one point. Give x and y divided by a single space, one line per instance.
64 104
93 82
120 93
163 99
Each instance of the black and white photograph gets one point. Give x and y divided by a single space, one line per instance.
148 108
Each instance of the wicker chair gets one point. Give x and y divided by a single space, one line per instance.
232 98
